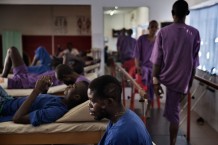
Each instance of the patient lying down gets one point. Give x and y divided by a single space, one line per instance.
40 108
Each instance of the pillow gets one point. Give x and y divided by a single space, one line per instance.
79 113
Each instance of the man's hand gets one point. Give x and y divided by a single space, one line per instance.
43 84
158 89
138 70
22 114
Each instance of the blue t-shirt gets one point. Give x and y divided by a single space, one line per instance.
128 130
45 109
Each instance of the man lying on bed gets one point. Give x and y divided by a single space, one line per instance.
22 79
40 108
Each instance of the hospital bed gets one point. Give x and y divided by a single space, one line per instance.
75 127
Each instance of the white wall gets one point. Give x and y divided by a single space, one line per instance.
40 20
132 18
207 107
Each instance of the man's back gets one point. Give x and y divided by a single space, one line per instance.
178 45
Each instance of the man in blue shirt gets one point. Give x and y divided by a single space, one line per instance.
39 108
125 127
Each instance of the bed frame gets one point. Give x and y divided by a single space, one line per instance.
56 133
53 138
71 137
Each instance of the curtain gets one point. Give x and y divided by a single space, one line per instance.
206 21
11 38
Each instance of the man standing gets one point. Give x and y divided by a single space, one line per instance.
175 58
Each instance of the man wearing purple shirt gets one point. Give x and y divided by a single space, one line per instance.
119 41
21 79
127 51
66 74
175 58
143 50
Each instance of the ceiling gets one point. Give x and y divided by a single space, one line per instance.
118 10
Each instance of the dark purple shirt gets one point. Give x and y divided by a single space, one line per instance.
127 48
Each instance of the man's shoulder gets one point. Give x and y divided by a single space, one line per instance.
192 28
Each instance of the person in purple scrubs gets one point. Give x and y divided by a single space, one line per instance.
119 41
127 51
67 75
21 79
175 58
143 50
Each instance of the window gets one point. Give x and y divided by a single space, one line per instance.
206 21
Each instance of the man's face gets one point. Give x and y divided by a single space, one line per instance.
71 92
67 80
153 28
97 107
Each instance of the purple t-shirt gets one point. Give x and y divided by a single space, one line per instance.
127 48
119 41
176 51
82 78
143 51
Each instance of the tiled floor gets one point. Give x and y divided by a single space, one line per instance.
158 127
201 134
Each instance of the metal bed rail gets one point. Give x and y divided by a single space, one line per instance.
125 77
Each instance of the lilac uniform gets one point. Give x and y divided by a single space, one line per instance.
143 52
119 41
127 48
23 80
82 78
176 51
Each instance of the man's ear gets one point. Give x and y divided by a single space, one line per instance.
77 97
173 12
187 13
107 102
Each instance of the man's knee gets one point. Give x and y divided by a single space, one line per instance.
11 50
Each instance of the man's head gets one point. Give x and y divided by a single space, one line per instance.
76 93
180 9
104 93
69 45
130 32
152 27
65 74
